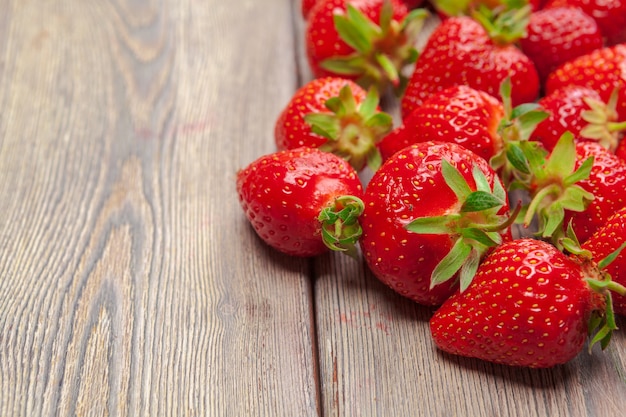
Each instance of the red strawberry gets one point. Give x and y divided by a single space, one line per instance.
607 178
335 115
528 305
458 114
581 111
302 201
601 70
609 14
432 211
606 240
461 52
370 41
557 35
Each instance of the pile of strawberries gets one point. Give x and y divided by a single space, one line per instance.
512 119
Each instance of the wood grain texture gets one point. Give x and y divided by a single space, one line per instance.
129 283
132 285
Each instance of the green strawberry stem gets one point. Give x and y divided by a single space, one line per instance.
505 24
514 161
352 131
340 227
474 228
603 125
602 322
554 189
382 49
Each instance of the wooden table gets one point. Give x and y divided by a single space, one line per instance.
132 285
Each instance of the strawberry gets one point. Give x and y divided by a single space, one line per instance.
335 115
458 114
601 70
432 211
302 201
460 51
610 16
581 111
557 35
370 41
529 305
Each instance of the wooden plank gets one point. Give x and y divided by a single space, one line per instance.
130 283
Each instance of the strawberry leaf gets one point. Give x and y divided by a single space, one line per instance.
582 173
369 106
535 155
455 180
562 160
451 263
482 183
374 159
386 16
413 23
527 123
524 109
348 65
355 29
481 200
434 225
576 198
325 125
517 158
553 218
389 68
607 260
484 238
335 105
468 270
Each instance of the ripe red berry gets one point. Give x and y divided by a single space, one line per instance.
431 212
335 115
459 114
557 35
528 305
302 201
461 52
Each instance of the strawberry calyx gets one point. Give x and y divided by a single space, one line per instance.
554 189
352 130
382 49
506 23
603 126
602 321
340 226
515 129
475 226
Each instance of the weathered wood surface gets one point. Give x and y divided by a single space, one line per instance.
131 284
